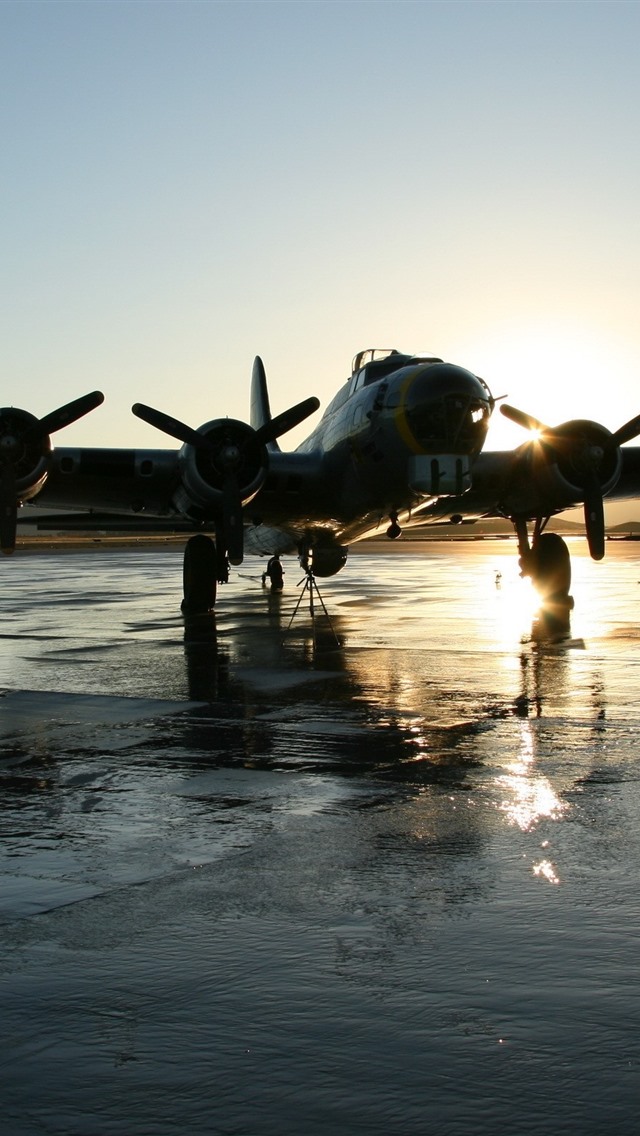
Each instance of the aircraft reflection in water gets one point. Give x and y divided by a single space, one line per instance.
377 710
346 714
434 699
400 444
383 715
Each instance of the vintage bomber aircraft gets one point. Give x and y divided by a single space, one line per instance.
399 445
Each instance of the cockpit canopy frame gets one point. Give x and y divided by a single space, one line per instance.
375 363
390 354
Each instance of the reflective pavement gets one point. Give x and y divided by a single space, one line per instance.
258 886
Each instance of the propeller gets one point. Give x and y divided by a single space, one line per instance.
8 508
171 426
586 459
14 444
625 433
286 421
225 451
594 515
271 430
68 413
522 419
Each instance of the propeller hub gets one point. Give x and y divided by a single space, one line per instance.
11 448
229 457
596 454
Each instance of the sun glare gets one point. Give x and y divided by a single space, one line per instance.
556 373
516 601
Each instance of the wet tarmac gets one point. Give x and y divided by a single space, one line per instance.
258 887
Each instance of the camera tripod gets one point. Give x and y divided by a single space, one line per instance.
311 587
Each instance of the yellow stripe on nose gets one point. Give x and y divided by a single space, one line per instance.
401 419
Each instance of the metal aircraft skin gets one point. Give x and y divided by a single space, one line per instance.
400 444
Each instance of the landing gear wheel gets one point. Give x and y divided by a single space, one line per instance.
550 568
199 575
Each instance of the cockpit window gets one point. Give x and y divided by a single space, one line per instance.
454 423
374 354
384 363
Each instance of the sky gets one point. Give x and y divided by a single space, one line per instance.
187 185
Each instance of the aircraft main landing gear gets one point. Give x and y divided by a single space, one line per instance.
548 563
201 574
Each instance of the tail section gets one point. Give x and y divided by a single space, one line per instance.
260 409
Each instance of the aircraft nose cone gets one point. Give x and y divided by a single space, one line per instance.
446 409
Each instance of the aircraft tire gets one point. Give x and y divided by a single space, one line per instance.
199 575
551 568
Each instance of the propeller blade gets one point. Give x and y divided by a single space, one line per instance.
232 518
630 430
522 419
286 421
8 509
170 426
594 517
69 413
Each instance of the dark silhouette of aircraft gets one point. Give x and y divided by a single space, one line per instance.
400 444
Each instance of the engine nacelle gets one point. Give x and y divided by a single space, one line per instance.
234 450
553 472
26 448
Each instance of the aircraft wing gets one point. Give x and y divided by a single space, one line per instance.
526 484
508 483
206 484
136 490
363 466
126 483
628 486
156 491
